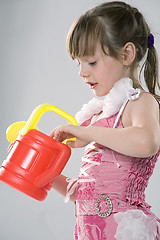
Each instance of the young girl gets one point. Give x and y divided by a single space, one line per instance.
121 132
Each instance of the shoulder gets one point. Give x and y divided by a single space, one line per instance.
146 107
146 102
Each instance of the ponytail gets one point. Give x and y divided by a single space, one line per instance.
151 71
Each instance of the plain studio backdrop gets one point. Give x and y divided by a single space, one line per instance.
35 69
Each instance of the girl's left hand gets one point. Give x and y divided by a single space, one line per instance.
70 131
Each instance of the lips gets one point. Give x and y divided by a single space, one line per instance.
92 85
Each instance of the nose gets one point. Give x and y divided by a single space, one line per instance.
83 71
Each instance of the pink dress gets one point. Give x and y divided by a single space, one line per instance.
110 201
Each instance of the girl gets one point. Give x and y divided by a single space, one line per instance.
121 132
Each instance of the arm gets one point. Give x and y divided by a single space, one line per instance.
140 136
131 141
60 185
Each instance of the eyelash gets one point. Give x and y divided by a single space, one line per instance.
92 63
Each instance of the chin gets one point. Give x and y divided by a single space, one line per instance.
100 94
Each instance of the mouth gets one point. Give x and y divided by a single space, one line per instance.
92 85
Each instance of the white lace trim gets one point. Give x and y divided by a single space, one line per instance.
70 188
87 178
121 92
135 225
91 163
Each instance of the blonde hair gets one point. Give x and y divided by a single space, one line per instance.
113 24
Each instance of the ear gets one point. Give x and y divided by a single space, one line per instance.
128 53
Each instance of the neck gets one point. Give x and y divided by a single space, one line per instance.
135 78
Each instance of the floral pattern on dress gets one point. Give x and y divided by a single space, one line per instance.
135 225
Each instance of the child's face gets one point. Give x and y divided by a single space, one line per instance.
101 71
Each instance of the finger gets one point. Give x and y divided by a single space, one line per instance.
71 144
62 137
56 133
52 134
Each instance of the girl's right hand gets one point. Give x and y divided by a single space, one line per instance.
70 131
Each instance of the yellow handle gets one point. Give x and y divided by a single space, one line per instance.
13 130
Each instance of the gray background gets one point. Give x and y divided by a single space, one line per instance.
34 69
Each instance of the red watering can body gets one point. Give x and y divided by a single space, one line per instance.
33 163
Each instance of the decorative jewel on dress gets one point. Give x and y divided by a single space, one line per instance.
108 202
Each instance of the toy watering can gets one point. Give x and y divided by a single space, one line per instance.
35 159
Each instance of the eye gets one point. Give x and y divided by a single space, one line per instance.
92 63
